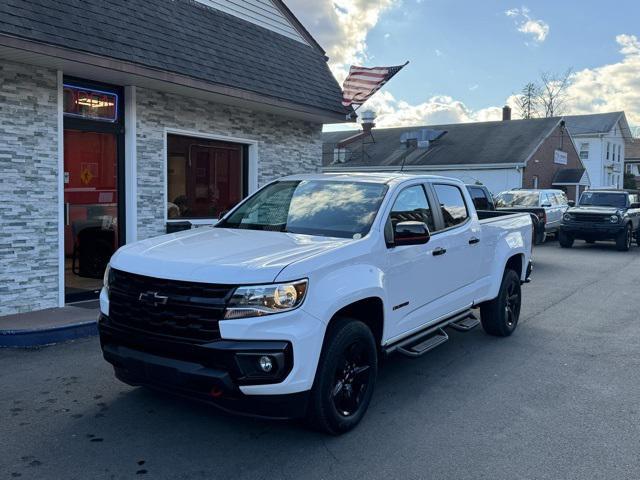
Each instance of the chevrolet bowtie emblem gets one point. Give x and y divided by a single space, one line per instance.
152 298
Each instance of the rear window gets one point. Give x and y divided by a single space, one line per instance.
517 199
479 197
454 210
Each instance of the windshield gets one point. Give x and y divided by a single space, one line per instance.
604 199
517 199
312 207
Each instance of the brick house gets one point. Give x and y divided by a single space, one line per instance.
121 119
535 153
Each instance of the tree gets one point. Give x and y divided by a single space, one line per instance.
629 181
552 93
527 101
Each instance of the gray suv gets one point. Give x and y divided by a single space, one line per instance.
547 204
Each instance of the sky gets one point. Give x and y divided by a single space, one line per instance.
468 58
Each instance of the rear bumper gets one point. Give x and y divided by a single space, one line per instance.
593 230
212 372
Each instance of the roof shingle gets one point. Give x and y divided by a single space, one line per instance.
183 37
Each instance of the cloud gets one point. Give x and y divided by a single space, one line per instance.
439 109
611 87
341 27
537 29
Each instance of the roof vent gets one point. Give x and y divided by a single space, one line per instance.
421 138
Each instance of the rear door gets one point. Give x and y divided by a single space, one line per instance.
461 234
550 204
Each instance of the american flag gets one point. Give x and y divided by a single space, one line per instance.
362 82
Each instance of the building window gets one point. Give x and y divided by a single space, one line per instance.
584 151
204 177
535 181
608 150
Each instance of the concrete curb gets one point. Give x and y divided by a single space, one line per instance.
47 336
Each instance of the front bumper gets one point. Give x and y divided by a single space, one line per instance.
214 372
595 230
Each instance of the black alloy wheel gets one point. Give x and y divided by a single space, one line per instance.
345 378
352 377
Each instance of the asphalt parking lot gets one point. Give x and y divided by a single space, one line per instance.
558 400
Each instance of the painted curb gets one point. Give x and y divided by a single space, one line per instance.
47 336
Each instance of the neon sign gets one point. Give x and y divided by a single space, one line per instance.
91 104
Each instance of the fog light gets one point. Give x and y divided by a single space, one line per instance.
266 364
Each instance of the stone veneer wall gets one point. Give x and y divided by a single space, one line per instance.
285 146
28 188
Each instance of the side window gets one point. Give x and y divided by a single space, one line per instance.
412 206
562 198
480 200
454 210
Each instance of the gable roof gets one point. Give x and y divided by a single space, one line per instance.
183 37
483 143
596 123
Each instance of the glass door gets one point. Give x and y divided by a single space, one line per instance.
91 209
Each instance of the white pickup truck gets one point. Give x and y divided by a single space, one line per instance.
285 307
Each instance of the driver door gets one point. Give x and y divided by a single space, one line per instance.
413 279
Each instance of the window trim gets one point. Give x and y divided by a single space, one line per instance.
251 163
430 187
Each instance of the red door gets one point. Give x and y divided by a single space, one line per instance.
91 206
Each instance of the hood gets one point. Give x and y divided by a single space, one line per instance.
594 209
220 255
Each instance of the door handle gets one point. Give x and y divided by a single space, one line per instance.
439 251
474 240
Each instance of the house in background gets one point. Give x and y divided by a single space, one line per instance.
119 119
600 140
535 153
632 158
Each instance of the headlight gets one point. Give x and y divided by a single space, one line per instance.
614 218
567 217
259 300
107 279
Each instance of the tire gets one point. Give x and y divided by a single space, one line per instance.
623 240
345 378
500 316
565 240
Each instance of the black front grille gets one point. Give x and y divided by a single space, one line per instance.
590 217
188 311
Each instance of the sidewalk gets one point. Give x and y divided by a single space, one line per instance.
49 326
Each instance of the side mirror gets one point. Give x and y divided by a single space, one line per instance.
635 205
410 233
571 203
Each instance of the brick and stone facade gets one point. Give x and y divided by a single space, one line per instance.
542 166
285 146
28 188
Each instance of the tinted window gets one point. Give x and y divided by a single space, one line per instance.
479 197
517 199
312 207
604 199
412 205
454 210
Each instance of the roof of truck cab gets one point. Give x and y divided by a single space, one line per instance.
373 177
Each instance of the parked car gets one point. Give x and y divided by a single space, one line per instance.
548 205
285 307
486 207
606 214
